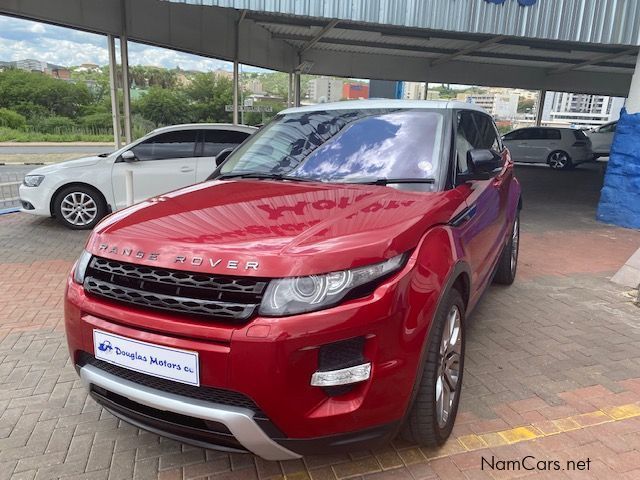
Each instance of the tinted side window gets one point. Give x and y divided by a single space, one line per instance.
216 141
534 134
467 137
487 133
180 144
552 134
512 135
579 135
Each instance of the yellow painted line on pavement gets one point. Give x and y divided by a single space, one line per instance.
473 442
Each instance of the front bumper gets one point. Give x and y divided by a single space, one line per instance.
35 200
239 421
271 361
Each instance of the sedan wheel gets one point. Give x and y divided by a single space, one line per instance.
559 160
79 208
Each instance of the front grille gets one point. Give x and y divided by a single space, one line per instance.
194 294
209 394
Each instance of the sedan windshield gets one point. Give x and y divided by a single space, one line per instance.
344 146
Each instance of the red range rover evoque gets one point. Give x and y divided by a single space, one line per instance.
312 295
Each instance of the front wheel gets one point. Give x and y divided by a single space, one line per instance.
79 207
508 263
560 160
433 413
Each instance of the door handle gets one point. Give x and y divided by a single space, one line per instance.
186 169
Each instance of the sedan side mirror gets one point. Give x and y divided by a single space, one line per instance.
222 156
129 156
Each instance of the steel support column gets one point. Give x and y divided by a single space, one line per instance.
236 91
126 92
113 87
290 91
297 89
542 95
633 99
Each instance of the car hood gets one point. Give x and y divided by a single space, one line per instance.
56 167
286 228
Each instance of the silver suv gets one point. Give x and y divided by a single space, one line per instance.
560 148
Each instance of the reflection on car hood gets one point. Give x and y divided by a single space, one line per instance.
79 162
289 228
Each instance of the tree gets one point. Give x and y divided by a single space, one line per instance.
34 94
209 94
164 107
525 105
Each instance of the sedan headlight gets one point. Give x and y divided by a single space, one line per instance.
81 267
33 180
290 296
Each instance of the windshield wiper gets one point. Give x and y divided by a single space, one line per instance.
387 181
263 175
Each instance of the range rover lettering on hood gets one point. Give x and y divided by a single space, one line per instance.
182 259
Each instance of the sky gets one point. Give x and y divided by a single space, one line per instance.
20 39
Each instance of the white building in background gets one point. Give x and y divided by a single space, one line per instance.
413 90
254 86
31 65
502 106
325 89
581 110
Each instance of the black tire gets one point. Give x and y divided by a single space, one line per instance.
508 263
422 423
560 160
81 202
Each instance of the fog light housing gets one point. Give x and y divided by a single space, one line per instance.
343 376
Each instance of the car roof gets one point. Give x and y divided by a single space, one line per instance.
386 103
206 126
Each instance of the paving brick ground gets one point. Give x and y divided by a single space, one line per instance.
552 373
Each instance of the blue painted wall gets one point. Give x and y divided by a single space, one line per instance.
620 195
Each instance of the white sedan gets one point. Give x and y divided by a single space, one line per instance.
78 193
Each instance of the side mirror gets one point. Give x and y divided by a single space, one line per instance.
482 163
129 156
222 156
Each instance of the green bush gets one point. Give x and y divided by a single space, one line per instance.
12 135
97 121
11 119
54 125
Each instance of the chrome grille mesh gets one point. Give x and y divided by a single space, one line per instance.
196 294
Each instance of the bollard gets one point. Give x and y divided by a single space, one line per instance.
128 185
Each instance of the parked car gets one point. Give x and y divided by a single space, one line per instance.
602 138
560 148
313 296
79 193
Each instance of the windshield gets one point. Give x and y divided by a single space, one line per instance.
345 146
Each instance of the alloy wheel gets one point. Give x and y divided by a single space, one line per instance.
448 377
558 160
515 244
79 209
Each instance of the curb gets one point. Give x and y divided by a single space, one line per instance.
5 164
5 211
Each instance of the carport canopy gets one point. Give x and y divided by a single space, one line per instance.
579 46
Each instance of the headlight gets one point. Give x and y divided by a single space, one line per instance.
81 267
289 296
33 180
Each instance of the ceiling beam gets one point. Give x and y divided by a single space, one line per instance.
440 51
316 38
467 50
595 60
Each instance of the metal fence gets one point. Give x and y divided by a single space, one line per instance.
9 183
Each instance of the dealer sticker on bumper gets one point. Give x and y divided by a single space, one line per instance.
164 362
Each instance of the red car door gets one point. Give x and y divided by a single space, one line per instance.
483 231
